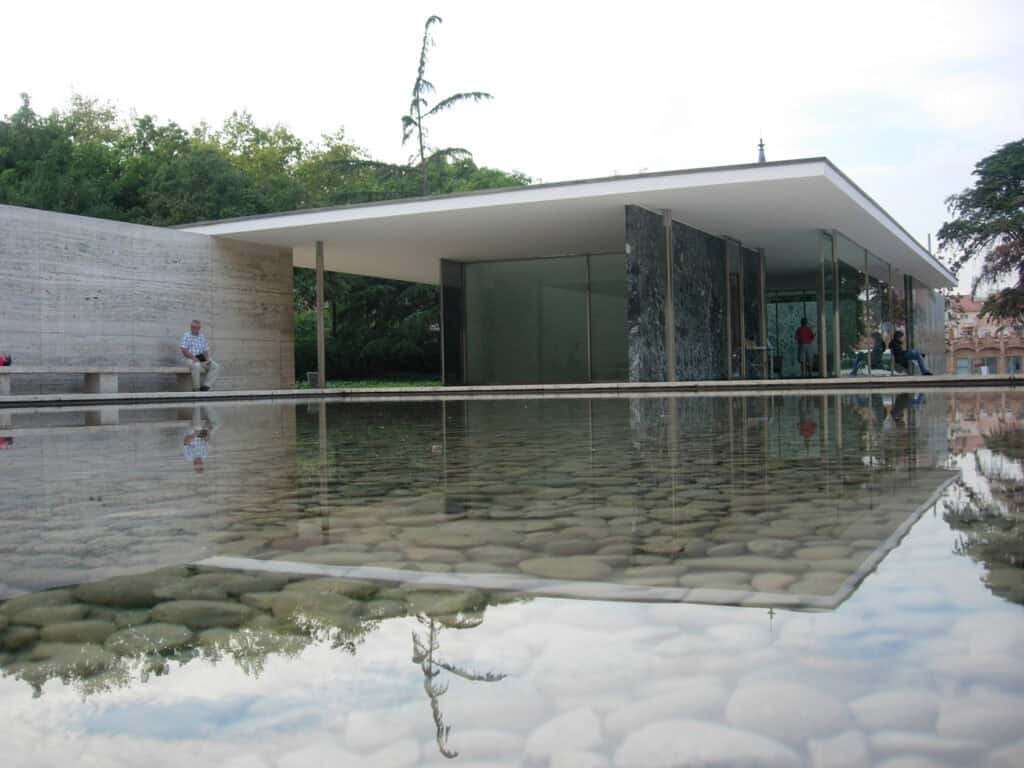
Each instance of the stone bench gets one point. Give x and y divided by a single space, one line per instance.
97 380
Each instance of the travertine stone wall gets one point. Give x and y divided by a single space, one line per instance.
82 291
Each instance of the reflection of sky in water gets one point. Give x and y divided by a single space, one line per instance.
922 624
920 662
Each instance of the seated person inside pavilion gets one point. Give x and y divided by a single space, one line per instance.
870 351
904 357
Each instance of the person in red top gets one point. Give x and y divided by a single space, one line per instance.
804 337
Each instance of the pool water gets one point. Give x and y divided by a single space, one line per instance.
821 580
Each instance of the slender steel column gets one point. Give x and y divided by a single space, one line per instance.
728 315
742 340
867 287
440 301
321 352
822 335
836 351
590 331
763 319
889 299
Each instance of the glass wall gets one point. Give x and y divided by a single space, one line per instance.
898 295
526 321
453 306
928 325
854 302
556 320
828 289
785 309
878 313
609 359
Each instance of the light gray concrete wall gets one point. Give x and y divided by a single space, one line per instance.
77 291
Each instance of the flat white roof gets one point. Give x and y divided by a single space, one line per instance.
779 206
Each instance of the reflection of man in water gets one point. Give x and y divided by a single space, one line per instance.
197 442
807 426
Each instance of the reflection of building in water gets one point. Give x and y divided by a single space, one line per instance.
988 511
688 498
976 415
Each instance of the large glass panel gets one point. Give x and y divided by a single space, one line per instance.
526 321
899 302
878 324
453 312
929 325
785 310
878 312
829 284
608 317
854 331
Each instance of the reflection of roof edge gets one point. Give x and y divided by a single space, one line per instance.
848 587
593 590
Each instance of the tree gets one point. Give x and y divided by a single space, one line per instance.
418 110
87 159
990 223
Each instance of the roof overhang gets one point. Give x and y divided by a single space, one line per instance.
780 206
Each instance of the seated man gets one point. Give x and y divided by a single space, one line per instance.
877 350
906 357
196 350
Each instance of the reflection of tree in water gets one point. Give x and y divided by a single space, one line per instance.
279 616
991 523
425 653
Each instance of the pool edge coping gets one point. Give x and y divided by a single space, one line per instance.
755 387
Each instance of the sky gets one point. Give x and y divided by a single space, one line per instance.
905 97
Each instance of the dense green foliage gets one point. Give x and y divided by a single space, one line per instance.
87 159
989 222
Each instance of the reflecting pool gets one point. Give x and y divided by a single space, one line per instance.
820 580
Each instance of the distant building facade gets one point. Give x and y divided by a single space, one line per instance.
976 345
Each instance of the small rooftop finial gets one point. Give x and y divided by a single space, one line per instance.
760 150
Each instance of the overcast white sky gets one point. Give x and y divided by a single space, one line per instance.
903 96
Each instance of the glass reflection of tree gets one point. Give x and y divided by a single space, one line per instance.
425 653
